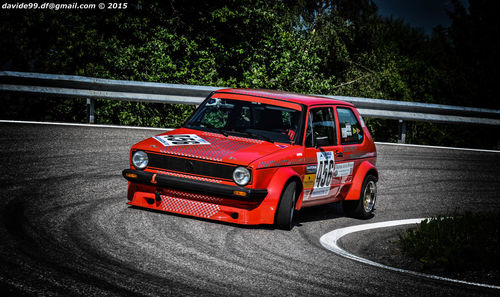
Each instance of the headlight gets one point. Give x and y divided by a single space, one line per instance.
241 176
140 159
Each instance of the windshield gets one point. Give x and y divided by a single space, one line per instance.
247 119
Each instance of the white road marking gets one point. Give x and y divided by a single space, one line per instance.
169 129
84 125
439 147
330 242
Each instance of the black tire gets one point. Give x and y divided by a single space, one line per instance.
286 207
363 207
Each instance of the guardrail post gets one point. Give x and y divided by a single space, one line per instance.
90 110
402 131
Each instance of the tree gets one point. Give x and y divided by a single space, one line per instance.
321 47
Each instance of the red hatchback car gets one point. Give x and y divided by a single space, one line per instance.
256 157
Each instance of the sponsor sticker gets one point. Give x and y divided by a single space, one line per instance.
309 180
348 129
180 139
324 174
311 168
343 169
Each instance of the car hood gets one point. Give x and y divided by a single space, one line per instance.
210 146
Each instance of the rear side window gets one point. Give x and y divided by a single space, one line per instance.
351 131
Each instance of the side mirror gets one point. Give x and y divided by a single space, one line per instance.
321 141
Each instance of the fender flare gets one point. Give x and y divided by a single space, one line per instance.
357 182
277 184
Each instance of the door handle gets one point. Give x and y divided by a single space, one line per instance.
339 154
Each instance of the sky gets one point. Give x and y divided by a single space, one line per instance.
418 13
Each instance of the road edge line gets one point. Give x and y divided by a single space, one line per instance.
170 129
84 125
438 147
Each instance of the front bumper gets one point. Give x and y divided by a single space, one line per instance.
195 186
199 198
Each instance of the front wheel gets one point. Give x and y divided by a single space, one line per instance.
286 208
364 206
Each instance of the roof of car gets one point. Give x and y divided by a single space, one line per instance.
285 96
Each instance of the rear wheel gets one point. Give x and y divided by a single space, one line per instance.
364 206
286 208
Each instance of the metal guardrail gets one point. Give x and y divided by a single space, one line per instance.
98 88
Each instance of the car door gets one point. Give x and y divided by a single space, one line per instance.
321 144
350 153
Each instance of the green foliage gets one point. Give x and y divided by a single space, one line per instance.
339 47
215 117
142 114
468 241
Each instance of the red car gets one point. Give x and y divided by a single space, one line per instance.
256 157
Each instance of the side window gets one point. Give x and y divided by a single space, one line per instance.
321 127
351 131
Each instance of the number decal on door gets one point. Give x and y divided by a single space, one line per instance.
324 174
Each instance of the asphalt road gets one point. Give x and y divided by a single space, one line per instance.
66 228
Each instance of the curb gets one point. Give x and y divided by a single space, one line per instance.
330 242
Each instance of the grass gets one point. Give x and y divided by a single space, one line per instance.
455 243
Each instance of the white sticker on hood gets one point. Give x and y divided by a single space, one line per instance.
180 139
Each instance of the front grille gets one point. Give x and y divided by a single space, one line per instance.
191 166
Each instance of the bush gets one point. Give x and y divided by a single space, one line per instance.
464 241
